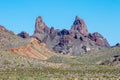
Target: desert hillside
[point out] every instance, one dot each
(51, 54)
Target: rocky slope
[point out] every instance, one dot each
(23, 45)
(75, 41)
(9, 40)
(33, 49)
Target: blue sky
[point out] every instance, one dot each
(101, 16)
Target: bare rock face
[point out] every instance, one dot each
(52, 33)
(40, 26)
(41, 51)
(98, 39)
(24, 35)
(75, 41)
(41, 30)
(63, 32)
(79, 26)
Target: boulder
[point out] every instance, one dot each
(24, 34)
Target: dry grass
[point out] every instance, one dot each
(59, 67)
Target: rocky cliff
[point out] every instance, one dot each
(41, 30)
(75, 41)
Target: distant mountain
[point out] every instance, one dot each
(75, 41)
(33, 57)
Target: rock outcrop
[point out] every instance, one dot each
(113, 61)
(33, 49)
(41, 30)
(117, 45)
(24, 34)
(79, 26)
(99, 39)
(75, 41)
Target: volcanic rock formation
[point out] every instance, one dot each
(24, 34)
(99, 39)
(41, 30)
(79, 26)
(75, 41)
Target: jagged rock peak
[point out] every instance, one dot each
(24, 34)
(79, 26)
(75, 41)
(41, 29)
(39, 18)
(40, 26)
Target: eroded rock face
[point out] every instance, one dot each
(33, 49)
(41, 30)
(75, 41)
(79, 26)
(98, 39)
(40, 26)
(24, 34)
(52, 33)
(63, 32)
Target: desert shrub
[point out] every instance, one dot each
(57, 59)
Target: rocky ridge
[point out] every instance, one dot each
(23, 45)
(75, 41)
(10, 40)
